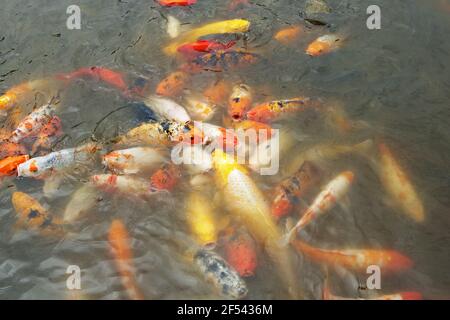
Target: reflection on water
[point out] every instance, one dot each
(394, 82)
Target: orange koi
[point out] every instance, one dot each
(173, 84)
(21, 93)
(119, 241)
(290, 190)
(191, 50)
(240, 101)
(261, 129)
(11, 149)
(176, 3)
(8, 166)
(166, 178)
(274, 110)
(323, 45)
(240, 253)
(356, 259)
(288, 35)
(106, 75)
(218, 92)
(33, 216)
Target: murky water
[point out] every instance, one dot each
(395, 79)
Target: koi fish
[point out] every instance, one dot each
(167, 108)
(325, 201)
(33, 123)
(80, 202)
(33, 216)
(218, 272)
(240, 101)
(20, 94)
(224, 138)
(176, 3)
(48, 135)
(293, 188)
(323, 45)
(408, 295)
(165, 178)
(356, 259)
(223, 60)
(288, 35)
(119, 241)
(199, 109)
(191, 50)
(262, 130)
(173, 84)
(126, 185)
(398, 185)
(243, 198)
(327, 152)
(8, 166)
(134, 160)
(57, 161)
(164, 133)
(271, 111)
(173, 27)
(221, 27)
(240, 253)
(265, 156)
(10, 149)
(218, 92)
(106, 75)
(201, 219)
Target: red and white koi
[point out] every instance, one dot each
(133, 160)
(57, 161)
(33, 123)
(326, 200)
(48, 135)
(126, 185)
(290, 190)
